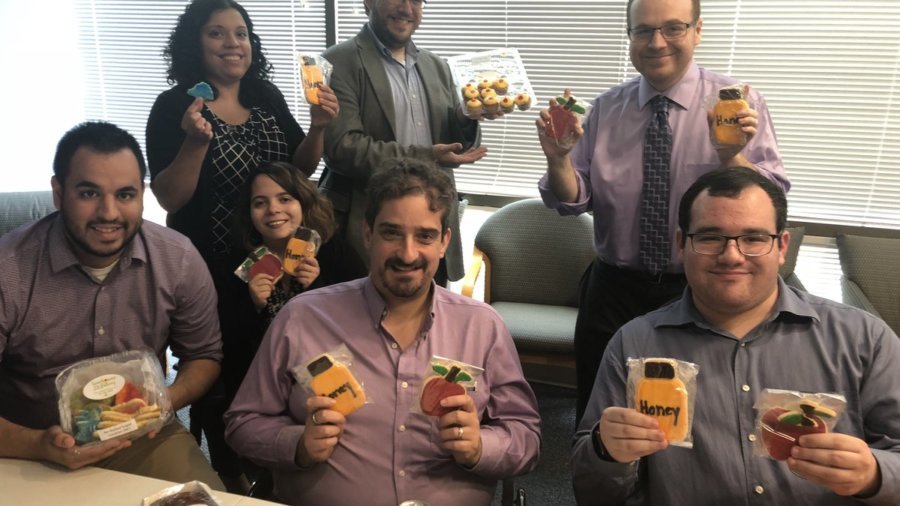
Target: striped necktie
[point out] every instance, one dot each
(655, 248)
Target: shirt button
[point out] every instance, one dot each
(402, 428)
(745, 388)
(402, 473)
(394, 346)
(404, 384)
(101, 330)
(752, 438)
(758, 489)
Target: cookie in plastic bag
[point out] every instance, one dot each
(122, 395)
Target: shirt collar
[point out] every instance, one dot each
(789, 304)
(681, 93)
(411, 50)
(62, 257)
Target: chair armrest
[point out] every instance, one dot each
(854, 296)
(472, 273)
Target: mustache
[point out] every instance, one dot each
(396, 263)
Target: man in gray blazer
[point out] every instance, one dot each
(397, 100)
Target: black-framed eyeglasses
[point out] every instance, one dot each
(750, 245)
(670, 31)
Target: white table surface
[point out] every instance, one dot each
(27, 483)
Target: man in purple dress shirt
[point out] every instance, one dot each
(393, 322)
(601, 170)
(91, 280)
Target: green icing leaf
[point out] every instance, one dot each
(439, 369)
(462, 377)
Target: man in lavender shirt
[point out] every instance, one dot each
(91, 280)
(600, 170)
(393, 322)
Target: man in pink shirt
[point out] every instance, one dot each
(393, 322)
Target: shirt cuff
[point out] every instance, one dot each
(285, 447)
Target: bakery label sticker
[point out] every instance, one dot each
(103, 387)
(117, 430)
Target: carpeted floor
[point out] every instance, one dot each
(551, 482)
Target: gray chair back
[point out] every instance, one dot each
(536, 255)
(790, 258)
(871, 280)
(18, 208)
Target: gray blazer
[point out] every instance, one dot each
(362, 136)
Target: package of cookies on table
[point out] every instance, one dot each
(119, 396)
(192, 493)
(783, 416)
(445, 378)
(330, 374)
(665, 388)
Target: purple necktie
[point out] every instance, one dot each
(655, 249)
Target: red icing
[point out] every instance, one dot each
(436, 389)
(562, 122)
(778, 445)
(127, 393)
(268, 264)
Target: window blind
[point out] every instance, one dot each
(829, 69)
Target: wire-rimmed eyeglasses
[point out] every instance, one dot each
(669, 31)
(750, 245)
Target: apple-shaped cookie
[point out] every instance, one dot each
(267, 264)
(781, 428)
(437, 388)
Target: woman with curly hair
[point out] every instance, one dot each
(200, 152)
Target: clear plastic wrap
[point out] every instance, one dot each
(782, 416)
(446, 378)
(330, 375)
(723, 108)
(314, 71)
(259, 261)
(119, 396)
(565, 114)
(304, 244)
(491, 81)
(192, 493)
(665, 388)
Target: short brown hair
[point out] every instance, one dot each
(400, 177)
(695, 7)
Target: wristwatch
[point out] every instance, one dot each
(599, 448)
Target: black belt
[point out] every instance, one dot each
(642, 276)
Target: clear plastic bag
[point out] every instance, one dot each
(330, 375)
(722, 109)
(446, 378)
(314, 71)
(119, 396)
(259, 261)
(305, 243)
(782, 416)
(665, 388)
(192, 493)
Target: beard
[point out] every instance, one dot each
(410, 287)
(80, 244)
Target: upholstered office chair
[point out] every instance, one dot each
(871, 280)
(533, 262)
(18, 208)
(790, 258)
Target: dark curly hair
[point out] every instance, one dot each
(396, 178)
(318, 213)
(184, 53)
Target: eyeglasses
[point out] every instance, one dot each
(750, 245)
(415, 3)
(671, 31)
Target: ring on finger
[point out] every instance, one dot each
(459, 433)
(315, 421)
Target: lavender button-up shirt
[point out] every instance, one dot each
(388, 453)
(608, 158)
(53, 313)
